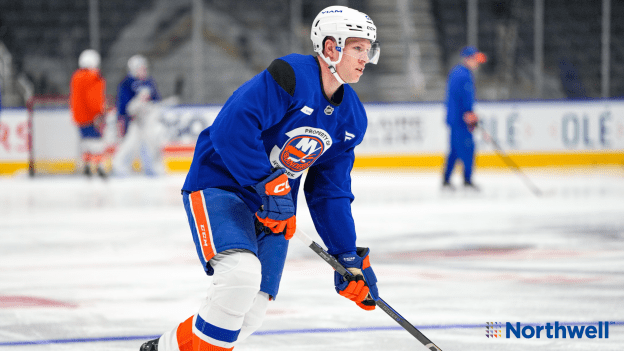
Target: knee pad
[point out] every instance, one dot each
(235, 285)
(255, 316)
(236, 281)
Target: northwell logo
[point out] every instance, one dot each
(550, 331)
(493, 329)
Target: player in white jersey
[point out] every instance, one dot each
(138, 109)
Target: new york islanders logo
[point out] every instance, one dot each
(300, 152)
(304, 146)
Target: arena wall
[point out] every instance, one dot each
(400, 135)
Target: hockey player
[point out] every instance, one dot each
(460, 97)
(241, 190)
(137, 112)
(87, 98)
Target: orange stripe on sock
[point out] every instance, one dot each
(201, 345)
(184, 335)
(201, 224)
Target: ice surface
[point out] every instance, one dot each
(105, 265)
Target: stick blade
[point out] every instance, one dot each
(433, 347)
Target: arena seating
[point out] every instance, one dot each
(572, 38)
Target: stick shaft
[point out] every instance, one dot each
(333, 262)
(510, 162)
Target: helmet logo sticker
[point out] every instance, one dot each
(332, 11)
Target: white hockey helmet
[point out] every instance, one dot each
(341, 22)
(137, 66)
(89, 59)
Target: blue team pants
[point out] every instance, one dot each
(220, 221)
(462, 147)
(89, 131)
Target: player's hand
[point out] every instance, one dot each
(278, 210)
(360, 288)
(471, 120)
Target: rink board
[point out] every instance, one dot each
(399, 135)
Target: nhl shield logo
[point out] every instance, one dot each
(329, 110)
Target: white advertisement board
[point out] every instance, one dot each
(393, 129)
(13, 135)
(554, 126)
(517, 127)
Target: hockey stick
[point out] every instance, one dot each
(380, 303)
(499, 151)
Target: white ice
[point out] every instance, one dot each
(87, 263)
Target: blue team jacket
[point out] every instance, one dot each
(460, 97)
(281, 118)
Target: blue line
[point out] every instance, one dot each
(285, 332)
(71, 341)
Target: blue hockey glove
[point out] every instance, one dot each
(362, 286)
(278, 210)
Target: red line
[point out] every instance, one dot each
(29, 301)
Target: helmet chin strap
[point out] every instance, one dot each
(332, 66)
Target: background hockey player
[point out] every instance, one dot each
(137, 114)
(460, 117)
(241, 191)
(87, 98)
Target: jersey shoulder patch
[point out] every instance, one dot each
(284, 75)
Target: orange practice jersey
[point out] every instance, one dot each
(87, 93)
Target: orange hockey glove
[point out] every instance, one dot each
(278, 210)
(361, 287)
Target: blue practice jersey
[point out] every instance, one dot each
(127, 89)
(460, 96)
(281, 118)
